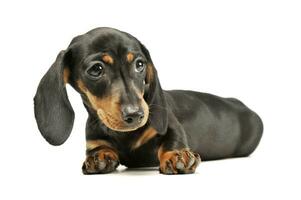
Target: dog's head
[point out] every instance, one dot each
(116, 78)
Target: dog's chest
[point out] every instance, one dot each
(142, 156)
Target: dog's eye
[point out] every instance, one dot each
(140, 65)
(96, 70)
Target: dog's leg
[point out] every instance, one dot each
(174, 154)
(101, 157)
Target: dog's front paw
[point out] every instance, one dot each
(179, 162)
(101, 162)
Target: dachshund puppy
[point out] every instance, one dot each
(132, 121)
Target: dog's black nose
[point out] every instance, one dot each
(132, 114)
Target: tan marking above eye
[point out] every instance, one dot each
(130, 57)
(107, 59)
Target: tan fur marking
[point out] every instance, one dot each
(92, 162)
(92, 144)
(107, 59)
(149, 73)
(81, 86)
(107, 153)
(169, 160)
(66, 74)
(130, 57)
(96, 102)
(148, 134)
(171, 156)
(108, 108)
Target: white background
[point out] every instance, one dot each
(245, 49)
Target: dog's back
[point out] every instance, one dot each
(216, 127)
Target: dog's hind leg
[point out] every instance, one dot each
(251, 133)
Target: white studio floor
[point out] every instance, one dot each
(257, 176)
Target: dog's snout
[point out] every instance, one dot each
(132, 114)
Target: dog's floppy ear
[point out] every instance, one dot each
(53, 111)
(154, 96)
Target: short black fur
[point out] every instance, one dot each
(212, 126)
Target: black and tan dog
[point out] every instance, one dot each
(132, 121)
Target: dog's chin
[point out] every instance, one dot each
(123, 128)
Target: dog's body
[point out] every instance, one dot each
(132, 121)
(214, 127)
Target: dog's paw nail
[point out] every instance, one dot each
(168, 171)
(183, 162)
(197, 158)
(114, 163)
(180, 165)
(190, 162)
(169, 167)
(101, 164)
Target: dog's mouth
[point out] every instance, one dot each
(116, 117)
(109, 111)
(116, 123)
